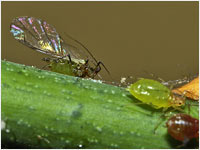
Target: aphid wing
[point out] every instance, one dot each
(22, 32)
(37, 34)
(54, 38)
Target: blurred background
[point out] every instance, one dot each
(130, 38)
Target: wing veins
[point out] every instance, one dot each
(28, 31)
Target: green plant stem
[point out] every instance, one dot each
(43, 109)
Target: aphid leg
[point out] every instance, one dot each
(86, 61)
(60, 58)
(86, 66)
(156, 127)
(98, 64)
(163, 116)
(189, 109)
(159, 123)
(47, 59)
(179, 109)
(98, 68)
(45, 66)
(70, 60)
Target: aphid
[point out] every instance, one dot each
(154, 93)
(43, 37)
(183, 127)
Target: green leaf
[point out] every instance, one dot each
(42, 109)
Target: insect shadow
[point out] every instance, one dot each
(149, 108)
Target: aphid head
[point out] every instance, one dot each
(178, 100)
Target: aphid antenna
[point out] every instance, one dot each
(97, 62)
(154, 76)
(186, 76)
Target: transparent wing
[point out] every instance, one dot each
(43, 37)
(37, 34)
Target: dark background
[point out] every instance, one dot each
(128, 37)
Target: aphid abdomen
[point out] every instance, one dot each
(62, 67)
(183, 127)
(151, 92)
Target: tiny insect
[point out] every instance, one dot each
(183, 127)
(154, 93)
(65, 58)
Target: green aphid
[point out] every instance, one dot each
(154, 93)
(73, 67)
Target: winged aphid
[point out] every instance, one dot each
(65, 58)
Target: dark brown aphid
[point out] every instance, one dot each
(183, 127)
